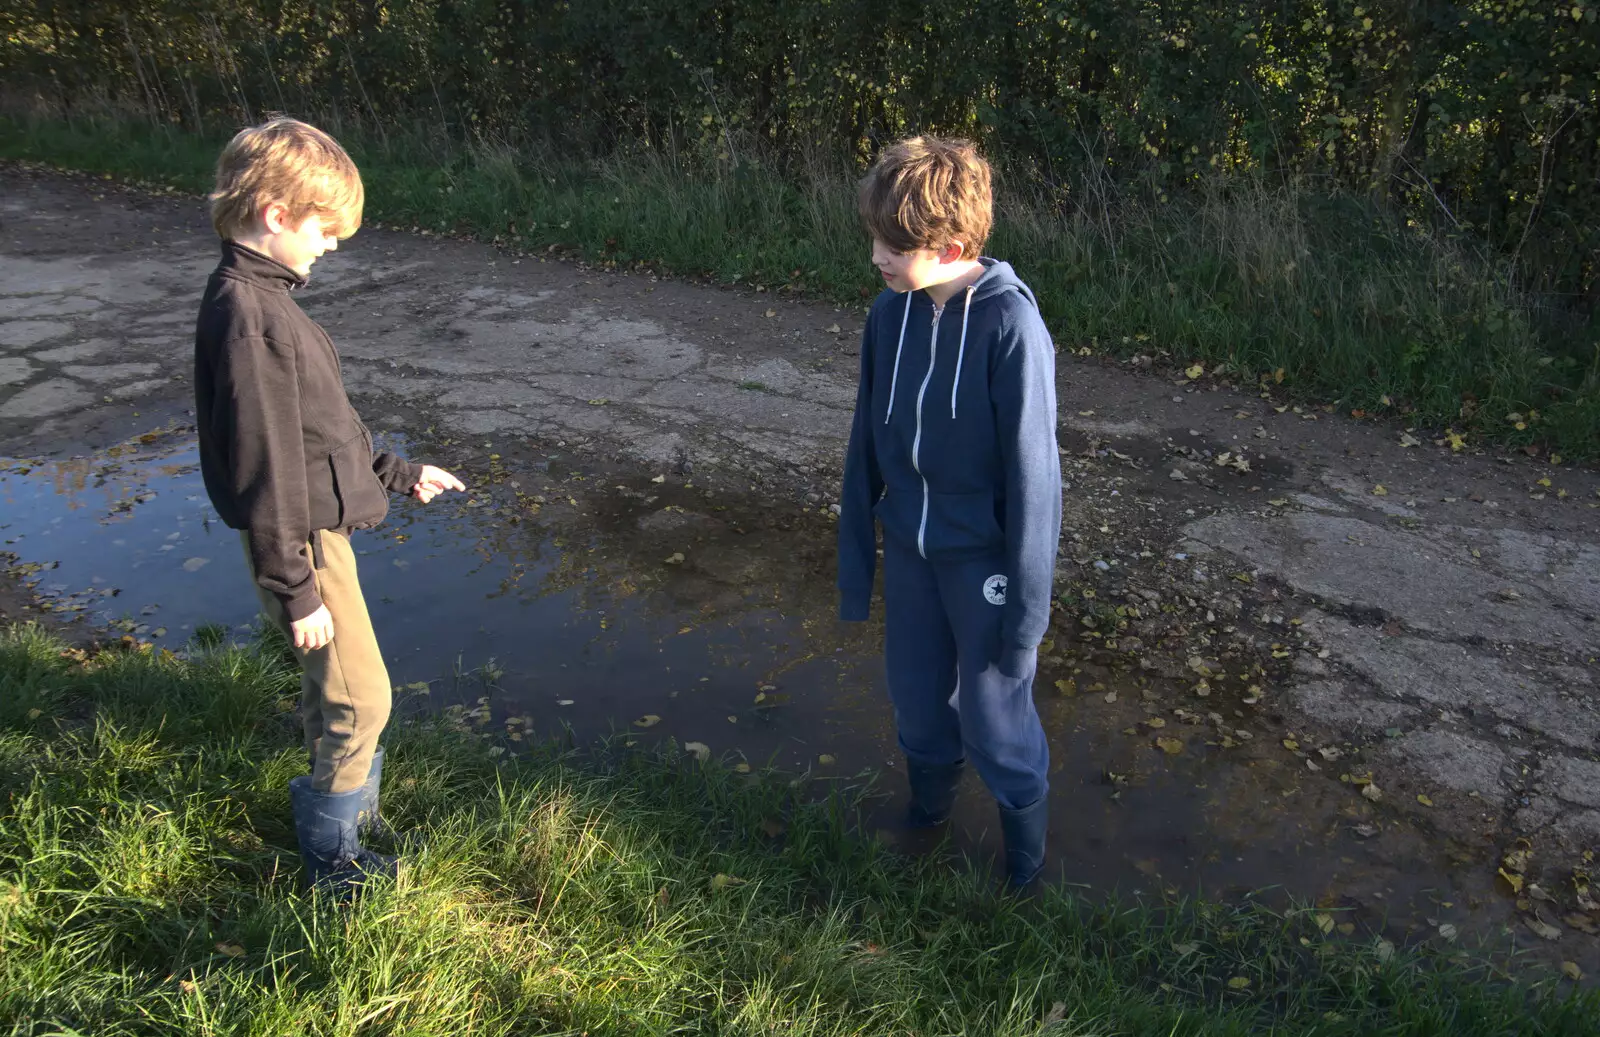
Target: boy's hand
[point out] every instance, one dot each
(315, 631)
(435, 481)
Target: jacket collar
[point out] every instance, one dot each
(248, 265)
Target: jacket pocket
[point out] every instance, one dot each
(346, 468)
(962, 524)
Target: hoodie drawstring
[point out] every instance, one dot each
(966, 312)
(899, 347)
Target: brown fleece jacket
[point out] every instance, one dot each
(282, 451)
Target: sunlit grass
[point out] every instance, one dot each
(148, 885)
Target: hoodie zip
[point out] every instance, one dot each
(916, 442)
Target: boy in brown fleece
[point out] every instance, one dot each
(288, 463)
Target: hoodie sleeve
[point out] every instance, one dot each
(863, 485)
(258, 404)
(1023, 391)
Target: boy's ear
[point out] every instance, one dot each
(952, 252)
(275, 217)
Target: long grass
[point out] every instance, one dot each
(148, 885)
(1320, 296)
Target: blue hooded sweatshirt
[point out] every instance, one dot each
(953, 447)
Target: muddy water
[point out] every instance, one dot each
(579, 604)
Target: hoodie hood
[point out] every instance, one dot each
(998, 278)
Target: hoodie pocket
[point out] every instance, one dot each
(962, 524)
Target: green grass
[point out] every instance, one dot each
(1249, 280)
(148, 885)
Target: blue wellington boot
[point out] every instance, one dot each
(326, 825)
(1024, 831)
(933, 793)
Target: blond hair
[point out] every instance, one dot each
(287, 161)
(926, 192)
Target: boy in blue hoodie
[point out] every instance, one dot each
(953, 451)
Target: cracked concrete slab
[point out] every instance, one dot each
(137, 390)
(14, 370)
(76, 351)
(1344, 708)
(1572, 780)
(43, 399)
(20, 306)
(107, 373)
(1429, 578)
(1451, 677)
(21, 334)
(1450, 759)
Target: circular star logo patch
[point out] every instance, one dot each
(994, 590)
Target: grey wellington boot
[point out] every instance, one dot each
(933, 793)
(327, 826)
(1024, 832)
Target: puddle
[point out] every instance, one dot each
(550, 592)
(549, 623)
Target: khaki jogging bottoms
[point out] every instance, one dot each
(345, 695)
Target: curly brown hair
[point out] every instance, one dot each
(926, 192)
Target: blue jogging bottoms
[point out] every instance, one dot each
(942, 640)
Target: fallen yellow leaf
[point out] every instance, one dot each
(1379, 491)
(1195, 372)
(648, 720)
(1424, 800)
(1170, 746)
